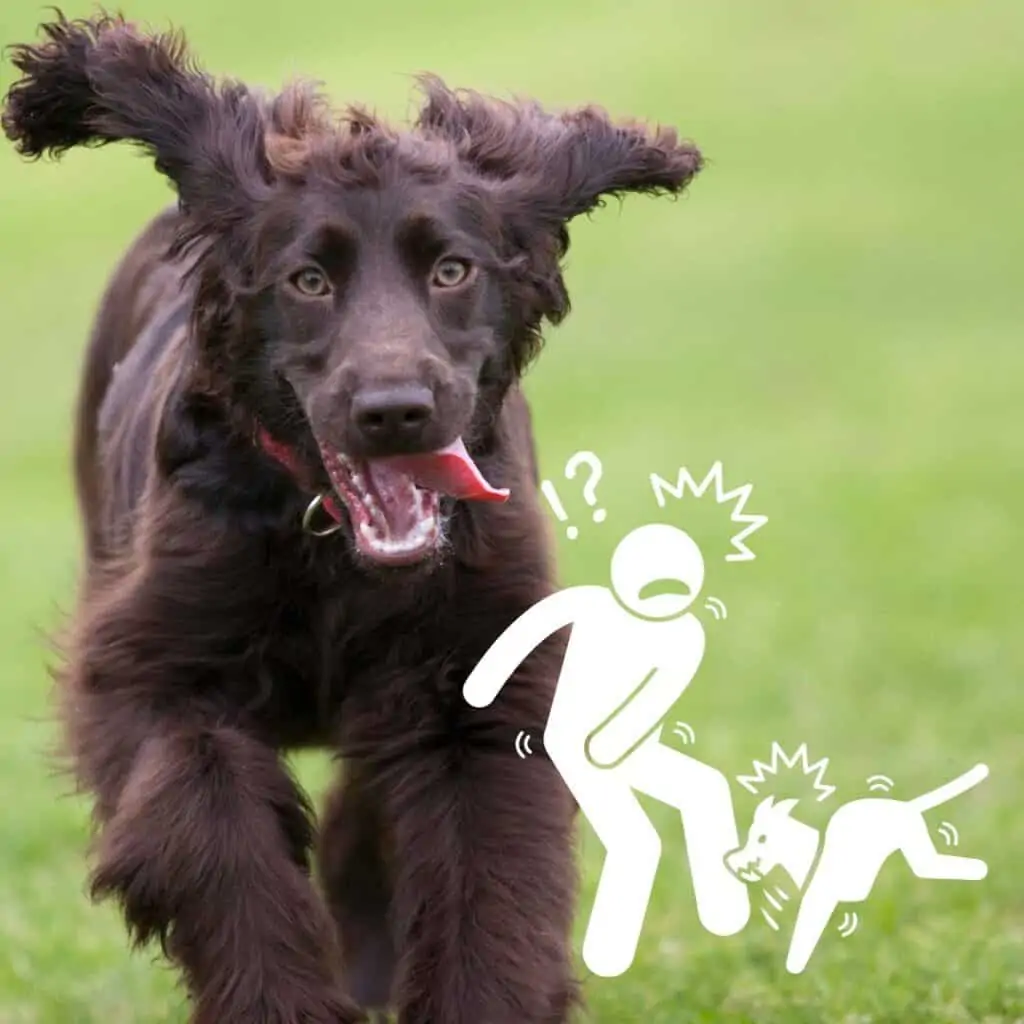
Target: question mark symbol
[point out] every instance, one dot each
(589, 490)
(590, 487)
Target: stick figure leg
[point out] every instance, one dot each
(702, 796)
(633, 850)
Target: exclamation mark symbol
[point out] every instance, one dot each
(547, 488)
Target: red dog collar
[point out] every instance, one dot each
(286, 457)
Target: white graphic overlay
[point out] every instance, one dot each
(633, 651)
(842, 866)
(738, 495)
(589, 490)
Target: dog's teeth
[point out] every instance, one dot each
(370, 533)
(374, 529)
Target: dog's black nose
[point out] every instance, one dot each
(396, 415)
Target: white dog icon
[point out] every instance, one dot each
(859, 838)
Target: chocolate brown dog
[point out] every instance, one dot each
(307, 480)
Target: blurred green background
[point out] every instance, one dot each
(834, 311)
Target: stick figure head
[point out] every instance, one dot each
(657, 571)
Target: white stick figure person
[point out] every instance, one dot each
(632, 652)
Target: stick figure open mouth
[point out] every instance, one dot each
(666, 585)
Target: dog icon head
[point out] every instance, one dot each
(770, 841)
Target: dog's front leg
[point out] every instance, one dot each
(207, 848)
(203, 836)
(484, 886)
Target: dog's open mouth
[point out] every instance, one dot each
(394, 503)
(749, 872)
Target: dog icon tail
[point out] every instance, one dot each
(958, 785)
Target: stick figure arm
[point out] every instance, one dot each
(646, 708)
(511, 648)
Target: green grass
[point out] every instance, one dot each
(834, 311)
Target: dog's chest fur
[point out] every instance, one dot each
(329, 649)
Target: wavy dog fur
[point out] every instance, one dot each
(212, 634)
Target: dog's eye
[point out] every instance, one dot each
(450, 273)
(312, 282)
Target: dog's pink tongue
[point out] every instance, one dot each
(449, 470)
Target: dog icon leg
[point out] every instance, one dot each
(816, 909)
(926, 861)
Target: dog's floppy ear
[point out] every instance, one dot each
(581, 157)
(557, 166)
(91, 82)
